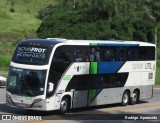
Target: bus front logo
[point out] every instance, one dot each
(78, 68)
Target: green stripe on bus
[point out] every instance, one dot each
(91, 95)
(67, 77)
(93, 44)
(93, 67)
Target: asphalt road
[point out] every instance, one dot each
(2, 95)
(112, 113)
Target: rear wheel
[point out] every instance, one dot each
(64, 105)
(134, 98)
(125, 98)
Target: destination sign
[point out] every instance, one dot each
(31, 55)
(31, 49)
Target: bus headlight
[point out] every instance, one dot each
(37, 100)
(9, 100)
(35, 103)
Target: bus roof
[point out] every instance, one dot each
(70, 41)
(39, 42)
(53, 41)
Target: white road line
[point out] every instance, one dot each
(2, 102)
(157, 88)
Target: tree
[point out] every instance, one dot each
(12, 2)
(155, 15)
(98, 19)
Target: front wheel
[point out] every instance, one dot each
(125, 98)
(64, 106)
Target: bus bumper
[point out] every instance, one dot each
(37, 104)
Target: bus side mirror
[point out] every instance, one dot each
(50, 86)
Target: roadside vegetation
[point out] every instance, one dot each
(18, 21)
(158, 73)
(18, 18)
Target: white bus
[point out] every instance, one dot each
(61, 74)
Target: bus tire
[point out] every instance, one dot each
(64, 105)
(134, 99)
(125, 98)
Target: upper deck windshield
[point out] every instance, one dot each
(33, 52)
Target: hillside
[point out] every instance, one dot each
(18, 18)
(18, 21)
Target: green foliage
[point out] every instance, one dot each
(4, 68)
(20, 22)
(12, 10)
(6, 51)
(97, 19)
(12, 2)
(47, 11)
(5, 60)
(158, 72)
(158, 63)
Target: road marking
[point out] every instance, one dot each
(2, 102)
(34, 121)
(156, 88)
(132, 108)
(109, 111)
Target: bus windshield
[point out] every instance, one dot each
(26, 82)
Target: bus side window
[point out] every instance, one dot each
(129, 54)
(78, 55)
(109, 54)
(150, 53)
(122, 54)
(135, 51)
(97, 54)
(92, 52)
(81, 54)
(142, 53)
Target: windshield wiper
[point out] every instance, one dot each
(26, 86)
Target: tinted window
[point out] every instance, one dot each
(133, 54)
(109, 54)
(71, 54)
(127, 53)
(104, 53)
(86, 82)
(147, 53)
(96, 54)
(26, 82)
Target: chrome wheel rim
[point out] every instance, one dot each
(134, 97)
(125, 98)
(63, 105)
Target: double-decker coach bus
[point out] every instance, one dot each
(61, 74)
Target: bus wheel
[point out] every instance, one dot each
(64, 105)
(125, 98)
(134, 98)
